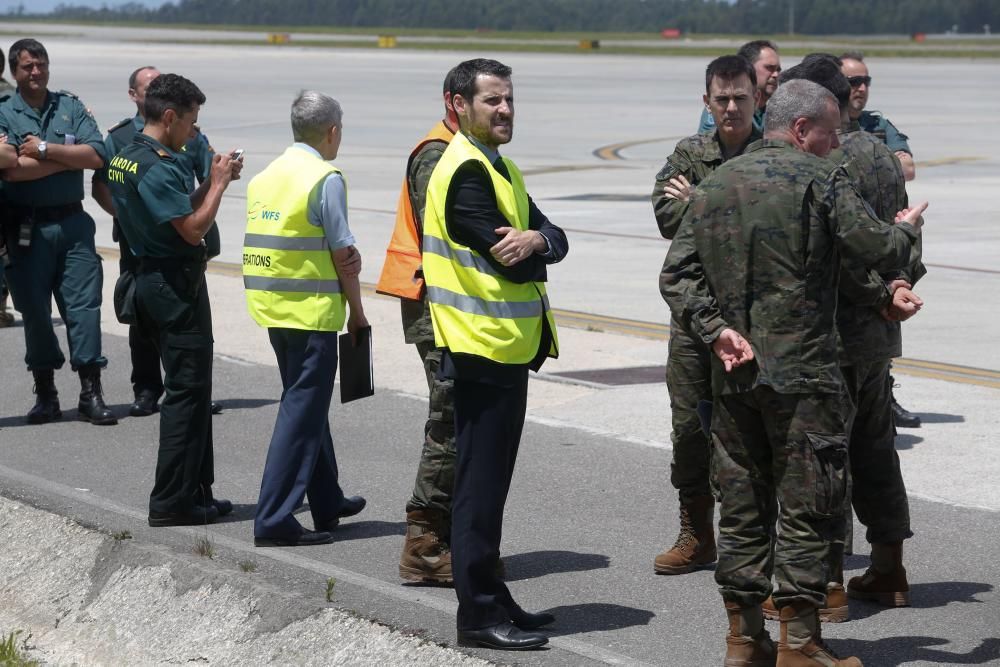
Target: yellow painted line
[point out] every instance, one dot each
(559, 169)
(944, 161)
(613, 151)
(573, 319)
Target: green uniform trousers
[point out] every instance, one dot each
(878, 493)
(689, 380)
(61, 262)
(778, 457)
(435, 484)
(174, 311)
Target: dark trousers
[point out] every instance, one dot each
(174, 310)
(300, 459)
(488, 424)
(61, 262)
(145, 358)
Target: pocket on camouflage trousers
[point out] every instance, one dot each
(829, 465)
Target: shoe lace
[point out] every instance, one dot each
(686, 535)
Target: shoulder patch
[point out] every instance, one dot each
(669, 170)
(120, 124)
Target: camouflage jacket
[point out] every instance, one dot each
(694, 158)
(760, 251)
(876, 174)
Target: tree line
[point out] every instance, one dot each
(815, 17)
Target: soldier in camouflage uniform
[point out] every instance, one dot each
(426, 555)
(759, 254)
(869, 311)
(731, 94)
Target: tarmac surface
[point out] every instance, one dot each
(591, 503)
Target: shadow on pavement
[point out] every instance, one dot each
(539, 563)
(928, 596)
(243, 403)
(359, 530)
(241, 512)
(895, 651)
(596, 617)
(940, 418)
(906, 441)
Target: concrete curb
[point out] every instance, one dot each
(87, 597)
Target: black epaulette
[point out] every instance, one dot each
(120, 124)
(67, 94)
(4, 97)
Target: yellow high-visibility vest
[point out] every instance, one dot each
(288, 270)
(474, 309)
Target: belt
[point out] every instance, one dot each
(47, 213)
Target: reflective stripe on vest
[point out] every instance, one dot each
(288, 271)
(400, 270)
(474, 309)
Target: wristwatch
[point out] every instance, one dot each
(43, 149)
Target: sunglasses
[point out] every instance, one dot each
(856, 81)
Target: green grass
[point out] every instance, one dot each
(203, 547)
(12, 651)
(330, 583)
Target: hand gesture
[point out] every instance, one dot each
(905, 304)
(733, 349)
(678, 188)
(912, 215)
(237, 167)
(516, 246)
(222, 170)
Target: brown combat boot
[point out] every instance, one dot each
(801, 644)
(695, 545)
(426, 557)
(835, 611)
(885, 581)
(748, 644)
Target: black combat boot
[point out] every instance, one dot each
(46, 408)
(92, 408)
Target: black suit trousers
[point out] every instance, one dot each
(488, 423)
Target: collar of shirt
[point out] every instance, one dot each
(21, 105)
(490, 154)
(152, 143)
(307, 148)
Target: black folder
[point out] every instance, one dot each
(357, 378)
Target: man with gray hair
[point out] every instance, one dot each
(300, 271)
(753, 272)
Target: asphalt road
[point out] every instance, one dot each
(591, 503)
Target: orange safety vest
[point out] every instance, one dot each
(403, 256)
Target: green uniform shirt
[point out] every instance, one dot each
(760, 250)
(875, 123)
(149, 186)
(63, 120)
(694, 158)
(706, 124)
(195, 156)
(6, 89)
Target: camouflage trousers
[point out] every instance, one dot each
(778, 458)
(435, 483)
(689, 380)
(877, 489)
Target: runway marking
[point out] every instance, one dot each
(613, 151)
(558, 169)
(945, 161)
(390, 590)
(982, 377)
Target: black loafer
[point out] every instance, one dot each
(144, 405)
(223, 506)
(306, 538)
(528, 621)
(216, 408)
(351, 506)
(196, 516)
(503, 636)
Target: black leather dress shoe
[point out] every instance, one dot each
(196, 516)
(216, 408)
(529, 621)
(306, 538)
(504, 636)
(351, 506)
(144, 404)
(902, 417)
(223, 506)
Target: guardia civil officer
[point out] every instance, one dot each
(196, 157)
(6, 90)
(485, 252)
(300, 271)
(54, 256)
(165, 226)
